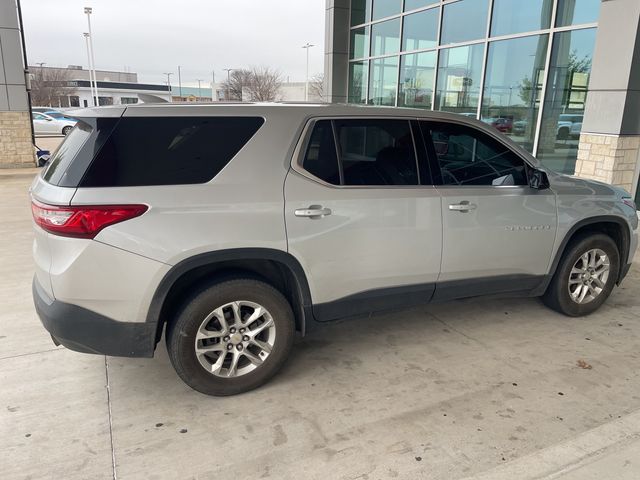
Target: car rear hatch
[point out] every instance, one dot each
(57, 183)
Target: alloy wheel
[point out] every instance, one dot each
(589, 276)
(235, 339)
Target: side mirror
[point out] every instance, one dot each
(538, 180)
(49, 119)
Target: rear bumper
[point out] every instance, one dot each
(85, 331)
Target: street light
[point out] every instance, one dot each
(86, 38)
(228, 70)
(168, 74)
(199, 91)
(213, 85)
(179, 83)
(306, 83)
(42, 77)
(92, 62)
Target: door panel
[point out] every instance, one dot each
(494, 223)
(374, 238)
(506, 231)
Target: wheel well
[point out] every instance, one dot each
(272, 272)
(612, 229)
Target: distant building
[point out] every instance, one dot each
(288, 92)
(114, 88)
(191, 94)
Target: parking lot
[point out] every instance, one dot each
(483, 389)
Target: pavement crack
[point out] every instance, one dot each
(32, 353)
(113, 451)
(454, 329)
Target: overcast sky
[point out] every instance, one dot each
(153, 37)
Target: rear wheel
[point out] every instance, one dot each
(585, 276)
(231, 337)
(66, 130)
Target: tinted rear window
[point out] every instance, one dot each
(172, 150)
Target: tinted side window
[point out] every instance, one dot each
(376, 152)
(321, 159)
(168, 151)
(66, 152)
(467, 156)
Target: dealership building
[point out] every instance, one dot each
(560, 77)
(114, 88)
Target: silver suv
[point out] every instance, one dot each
(231, 227)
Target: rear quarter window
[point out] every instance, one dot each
(144, 151)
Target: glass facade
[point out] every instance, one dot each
(512, 87)
(522, 66)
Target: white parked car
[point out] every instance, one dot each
(44, 124)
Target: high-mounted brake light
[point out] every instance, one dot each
(84, 221)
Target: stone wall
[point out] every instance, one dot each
(16, 149)
(609, 158)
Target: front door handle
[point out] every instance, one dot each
(313, 211)
(463, 206)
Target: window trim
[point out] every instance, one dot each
(303, 143)
(434, 164)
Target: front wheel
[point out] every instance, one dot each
(66, 130)
(585, 276)
(563, 134)
(231, 336)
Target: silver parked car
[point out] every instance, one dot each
(228, 228)
(44, 124)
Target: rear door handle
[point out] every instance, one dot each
(463, 206)
(313, 211)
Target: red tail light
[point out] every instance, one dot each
(84, 221)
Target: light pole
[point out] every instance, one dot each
(86, 38)
(92, 65)
(168, 74)
(199, 91)
(213, 86)
(179, 83)
(306, 82)
(228, 70)
(41, 77)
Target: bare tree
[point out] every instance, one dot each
(50, 87)
(316, 86)
(237, 82)
(264, 85)
(259, 84)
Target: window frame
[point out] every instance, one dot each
(434, 164)
(423, 167)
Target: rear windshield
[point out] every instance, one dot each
(143, 151)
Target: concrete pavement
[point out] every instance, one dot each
(476, 389)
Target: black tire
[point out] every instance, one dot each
(557, 296)
(66, 130)
(563, 133)
(181, 334)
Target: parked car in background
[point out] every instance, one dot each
(569, 126)
(519, 127)
(226, 228)
(504, 125)
(58, 115)
(44, 124)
